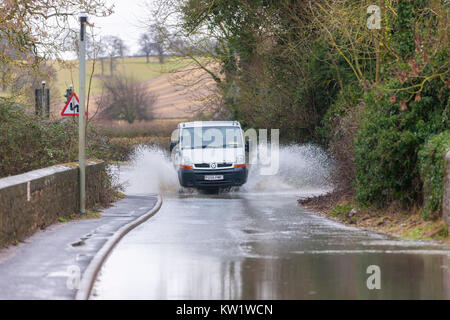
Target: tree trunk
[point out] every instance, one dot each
(4, 80)
(147, 56)
(111, 66)
(378, 60)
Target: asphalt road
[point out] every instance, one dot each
(49, 264)
(264, 246)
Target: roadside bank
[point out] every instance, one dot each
(393, 221)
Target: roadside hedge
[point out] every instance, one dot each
(28, 142)
(432, 169)
(392, 130)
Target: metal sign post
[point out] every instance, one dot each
(43, 99)
(38, 101)
(82, 116)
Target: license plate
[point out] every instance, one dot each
(213, 178)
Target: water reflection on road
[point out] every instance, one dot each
(256, 246)
(257, 243)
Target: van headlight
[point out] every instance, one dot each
(186, 161)
(240, 159)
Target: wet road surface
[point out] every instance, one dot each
(48, 264)
(264, 246)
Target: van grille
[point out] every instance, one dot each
(202, 165)
(224, 165)
(207, 165)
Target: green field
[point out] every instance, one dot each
(137, 68)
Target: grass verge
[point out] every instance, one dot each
(394, 221)
(94, 213)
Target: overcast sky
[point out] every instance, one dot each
(124, 22)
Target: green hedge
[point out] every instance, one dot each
(28, 143)
(387, 144)
(347, 99)
(432, 169)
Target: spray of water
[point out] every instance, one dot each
(150, 171)
(302, 168)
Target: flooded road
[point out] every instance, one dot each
(259, 244)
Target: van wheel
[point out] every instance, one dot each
(210, 191)
(186, 190)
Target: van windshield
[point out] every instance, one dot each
(211, 137)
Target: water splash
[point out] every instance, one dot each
(150, 171)
(302, 168)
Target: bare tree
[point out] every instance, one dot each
(38, 29)
(24, 82)
(125, 99)
(101, 55)
(93, 46)
(114, 47)
(158, 35)
(146, 45)
(199, 44)
(121, 47)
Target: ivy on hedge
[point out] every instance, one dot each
(387, 144)
(432, 169)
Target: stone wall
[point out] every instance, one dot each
(446, 195)
(36, 199)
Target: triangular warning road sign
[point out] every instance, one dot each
(72, 107)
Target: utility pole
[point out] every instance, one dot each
(82, 114)
(374, 23)
(380, 38)
(47, 102)
(42, 101)
(377, 44)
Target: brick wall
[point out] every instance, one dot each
(36, 199)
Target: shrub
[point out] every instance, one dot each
(432, 168)
(125, 99)
(28, 143)
(122, 149)
(338, 130)
(391, 133)
(342, 209)
(121, 129)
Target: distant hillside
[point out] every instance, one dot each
(67, 73)
(176, 83)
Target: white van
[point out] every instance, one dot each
(210, 154)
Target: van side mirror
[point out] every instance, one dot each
(247, 146)
(172, 145)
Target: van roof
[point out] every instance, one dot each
(209, 124)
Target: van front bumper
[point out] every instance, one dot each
(196, 178)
